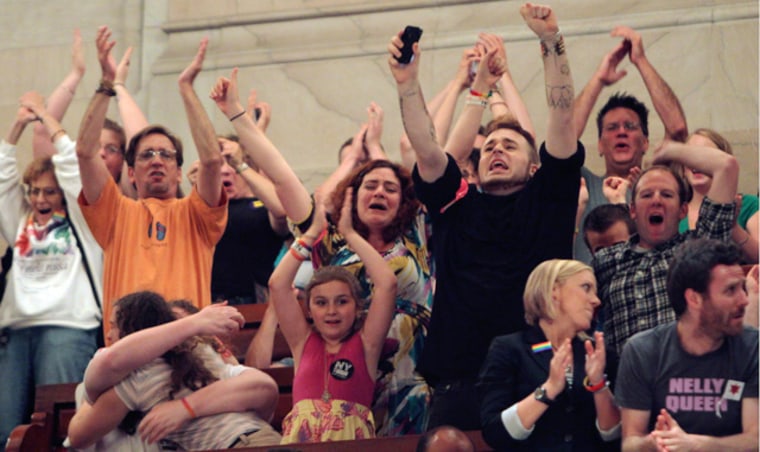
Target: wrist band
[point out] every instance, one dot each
(234, 117)
(106, 87)
(300, 250)
(242, 167)
(119, 84)
(188, 408)
(55, 134)
(479, 101)
(481, 95)
(603, 384)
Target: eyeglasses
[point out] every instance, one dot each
(46, 192)
(112, 149)
(627, 125)
(149, 154)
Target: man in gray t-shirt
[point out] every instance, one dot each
(693, 384)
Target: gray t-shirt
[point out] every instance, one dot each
(703, 393)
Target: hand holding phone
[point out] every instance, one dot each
(411, 35)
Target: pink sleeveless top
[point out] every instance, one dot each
(342, 375)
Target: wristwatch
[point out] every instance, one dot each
(541, 396)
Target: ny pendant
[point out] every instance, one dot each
(326, 396)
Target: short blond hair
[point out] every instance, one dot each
(537, 298)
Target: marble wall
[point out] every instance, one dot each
(319, 63)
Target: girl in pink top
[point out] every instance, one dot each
(336, 358)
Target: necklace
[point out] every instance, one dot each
(326, 392)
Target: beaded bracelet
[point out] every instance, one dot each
(481, 95)
(300, 250)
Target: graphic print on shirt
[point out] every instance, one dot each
(702, 394)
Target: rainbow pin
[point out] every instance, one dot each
(541, 347)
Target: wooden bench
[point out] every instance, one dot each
(54, 406)
(240, 340)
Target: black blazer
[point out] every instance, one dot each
(512, 371)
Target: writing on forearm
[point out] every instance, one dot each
(560, 97)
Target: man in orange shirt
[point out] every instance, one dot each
(157, 242)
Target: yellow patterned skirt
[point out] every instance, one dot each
(314, 421)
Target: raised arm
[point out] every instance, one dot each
(259, 353)
(723, 167)
(59, 100)
(383, 279)
(513, 102)
(561, 141)
(92, 167)
(375, 116)
(131, 115)
(282, 295)
(35, 103)
(260, 185)
(209, 183)
(606, 74)
(490, 69)
(110, 365)
(444, 114)
(351, 156)
(293, 195)
(431, 160)
(663, 98)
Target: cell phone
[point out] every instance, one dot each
(256, 114)
(473, 68)
(411, 35)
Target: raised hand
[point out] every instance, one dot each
(615, 189)
(374, 124)
(77, 54)
(595, 358)
(464, 77)
(187, 77)
(562, 358)
(265, 110)
(403, 72)
(607, 72)
(346, 222)
(541, 19)
(232, 152)
(122, 70)
(629, 35)
(33, 102)
(225, 94)
(493, 61)
(319, 222)
(163, 419)
(105, 58)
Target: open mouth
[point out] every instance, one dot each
(656, 219)
(45, 211)
(498, 164)
(378, 206)
(227, 184)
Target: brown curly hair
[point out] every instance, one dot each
(140, 310)
(407, 209)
